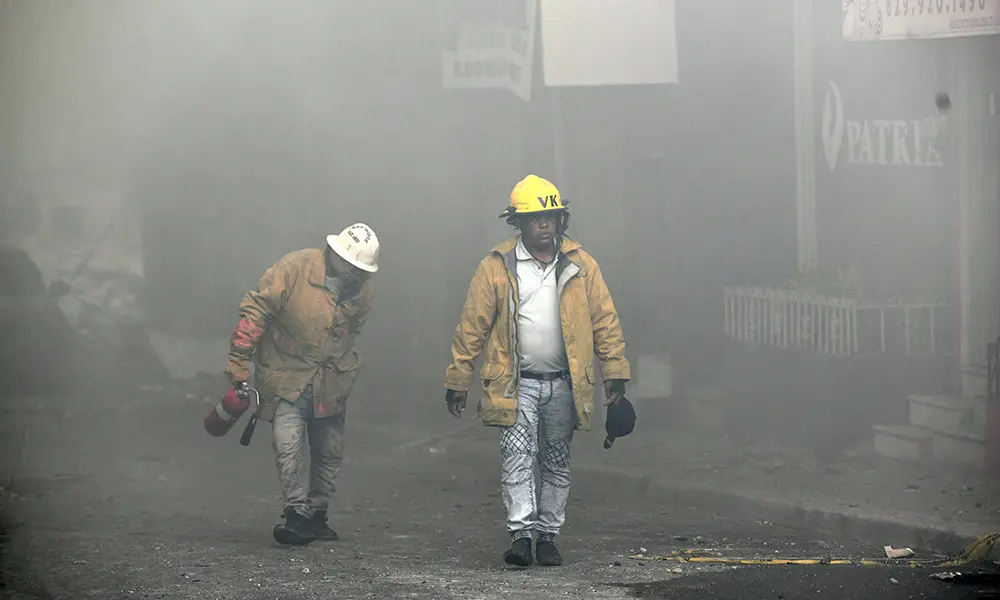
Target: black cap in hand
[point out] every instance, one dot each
(620, 421)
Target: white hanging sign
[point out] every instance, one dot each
(491, 45)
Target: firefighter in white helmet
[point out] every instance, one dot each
(300, 327)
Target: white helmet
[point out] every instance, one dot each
(357, 245)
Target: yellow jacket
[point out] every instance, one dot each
(296, 333)
(589, 323)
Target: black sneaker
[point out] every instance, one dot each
(295, 531)
(320, 529)
(519, 553)
(548, 554)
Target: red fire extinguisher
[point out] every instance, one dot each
(230, 408)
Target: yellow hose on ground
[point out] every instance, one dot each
(981, 551)
(858, 562)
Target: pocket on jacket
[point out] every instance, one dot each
(349, 361)
(342, 376)
(491, 371)
(591, 378)
(345, 382)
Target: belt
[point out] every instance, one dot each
(545, 376)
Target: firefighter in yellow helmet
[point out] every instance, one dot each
(539, 311)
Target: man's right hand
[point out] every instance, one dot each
(456, 402)
(242, 389)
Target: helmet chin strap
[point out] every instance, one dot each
(563, 224)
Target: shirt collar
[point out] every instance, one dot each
(521, 252)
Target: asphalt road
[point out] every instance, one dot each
(127, 497)
(813, 582)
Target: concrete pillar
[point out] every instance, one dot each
(971, 125)
(957, 131)
(805, 134)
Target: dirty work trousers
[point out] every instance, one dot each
(294, 427)
(544, 427)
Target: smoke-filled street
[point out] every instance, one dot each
(188, 516)
(491, 299)
(133, 500)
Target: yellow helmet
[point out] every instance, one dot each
(533, 195)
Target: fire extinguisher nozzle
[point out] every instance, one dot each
(248, 432)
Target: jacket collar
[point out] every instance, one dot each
(566, 246)
(317, 269)
(317, 276)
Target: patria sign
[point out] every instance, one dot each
(876, 141)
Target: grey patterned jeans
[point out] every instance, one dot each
(546, 417)
(293, 427)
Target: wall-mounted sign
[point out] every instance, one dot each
(877, 140)
(919, 19)
(609, 42)
(491, 45)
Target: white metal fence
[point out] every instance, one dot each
(786, 318)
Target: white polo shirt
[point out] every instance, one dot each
(539, 327)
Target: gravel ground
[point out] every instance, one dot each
(129, 498)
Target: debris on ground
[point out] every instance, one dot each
(35, 331)
(982, 551)
(104, 310)
(891, 552)
(989, 577)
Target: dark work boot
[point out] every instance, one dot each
(547, 554)
(295, 531)
(320, 529)
(519, 553)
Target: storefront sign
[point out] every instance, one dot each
(877, 140)
(919, 19)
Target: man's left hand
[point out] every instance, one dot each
(614, 390)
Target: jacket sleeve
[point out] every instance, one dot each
(474, 327)
(609, 343)
(257, 310)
